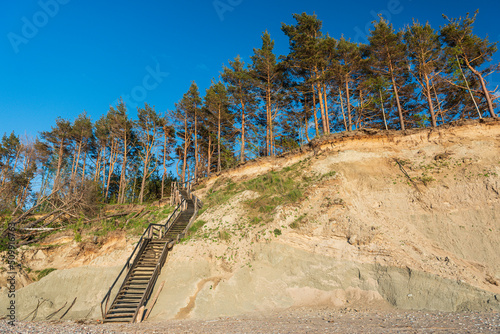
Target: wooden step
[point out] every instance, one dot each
(148, 261)
(125, 306)
(120, 315)
(127, 294)
(142, 274)
(117, 311)
(147, 264)
(135, 285)
(128, 300)
(151, 258)
(135, 289)
(117, 320)
(139, 278)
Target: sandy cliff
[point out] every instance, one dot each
(388, 219)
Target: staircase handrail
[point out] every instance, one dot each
(128, 264)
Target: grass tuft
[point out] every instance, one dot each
(44, 272)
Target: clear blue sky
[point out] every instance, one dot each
(83, 55)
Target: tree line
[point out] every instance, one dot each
(415, 77)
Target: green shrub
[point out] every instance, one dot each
(4, 244)
(274, 189)
(328, 175)
(44, 272)
(224, 235)
(255, 220)
(296, 223)
(197, 225)
(294, 195)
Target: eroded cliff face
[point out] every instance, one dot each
(394, 220)
(408, 220)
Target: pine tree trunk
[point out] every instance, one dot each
(121, 190)
(242, 159)
(315, 111)
(269, 120)
(396, 94)
(196, 145)
(438, 102)
(342, 109)
(327, 116)
(144, 176)
(76, 161)
(164, 161)
(322, 107)
(218, 141)
(98, 165)
(306, 109)
(383, 110)
(209, 156)
(59, 164)
(429, 101)
(185, 150)
(104, 168)
(348, 102)
(112, 161)
(73, 167)
(84, 165)
(358, 122)
(484, 88)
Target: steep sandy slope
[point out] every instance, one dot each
(379, 220)
(420, 233)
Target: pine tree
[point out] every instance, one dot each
(148, 127)
(113, 142)
(57, 141)
(102, 139)
(9, 155)
(185, 117)
(425, 54)
(17, 170)
(217, 103)
(470, 51)
(268, 77)
(388, 58)
(347, 68)
(121, 128)
(242, 99)
(168, 133)
(307, 59)
(80, 136)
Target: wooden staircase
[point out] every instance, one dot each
(150, 255)
(133, 291)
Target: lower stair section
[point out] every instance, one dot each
(134, 290)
